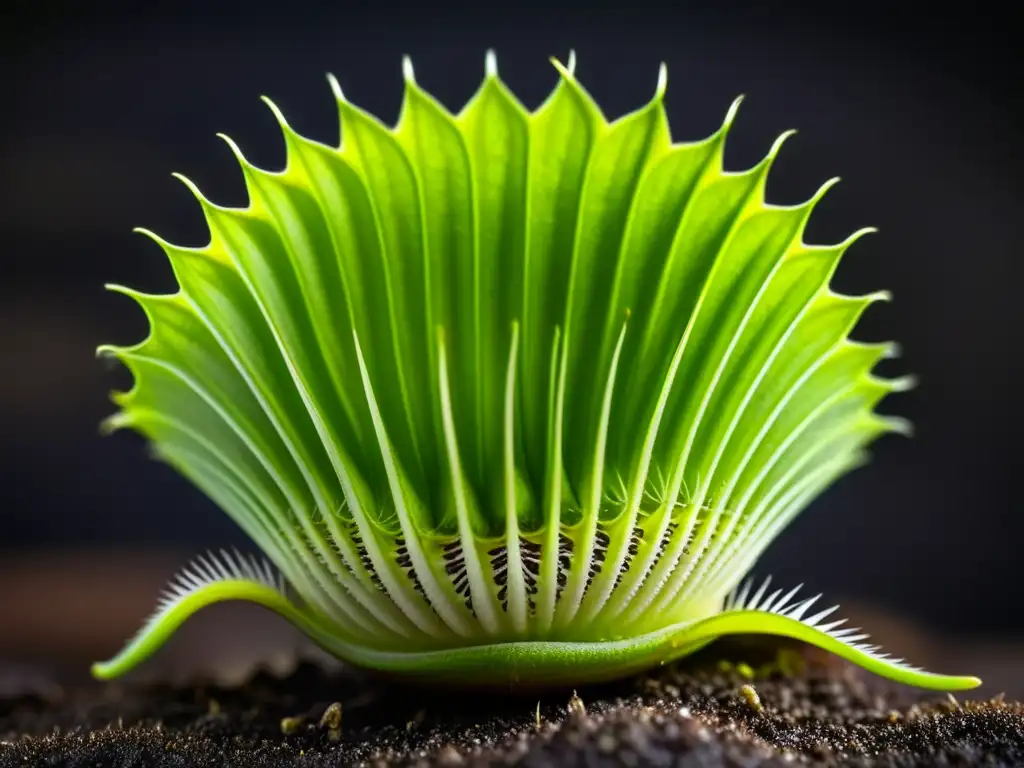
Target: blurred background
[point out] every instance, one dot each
(919, 116)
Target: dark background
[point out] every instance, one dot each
(918, 114)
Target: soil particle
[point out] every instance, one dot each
(694, 714)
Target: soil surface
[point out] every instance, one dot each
(743, 703)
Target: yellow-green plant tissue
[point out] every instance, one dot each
(508, 396)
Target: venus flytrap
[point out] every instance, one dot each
(507, 396)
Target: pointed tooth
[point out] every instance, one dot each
(741, 596)
(250, 572)
(229, 564)
(203, 569)
(832, 625)
(222, 570)
(801, 609)
(816, 618)
(769, 603)
(755, 601)
(783, 604)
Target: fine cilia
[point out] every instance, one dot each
(508, 396)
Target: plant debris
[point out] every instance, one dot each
(576, 707)
(749, 694)
(331, 720)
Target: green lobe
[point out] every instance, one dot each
(524, 388)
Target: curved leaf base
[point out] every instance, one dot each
(526, 663)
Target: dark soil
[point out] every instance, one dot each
(801, 708)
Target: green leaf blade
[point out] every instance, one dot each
(562, 136)
(505, 394)
(395, 199)
(495, 127)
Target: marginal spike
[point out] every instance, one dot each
(730, 115)
(902, 383)
(832, 625)
(857, 235)
(152, 236)
(816, 618)
(741, 597)
(564, 71)
(770, 600)
(823, 190)
(755, 601)
(781, 139)
(798, 612)
(235, 150)
(407, 70)
(898, 425)
(278, 115)
(204, 201)
(782, 606)
(336, 88)
(659, 91)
